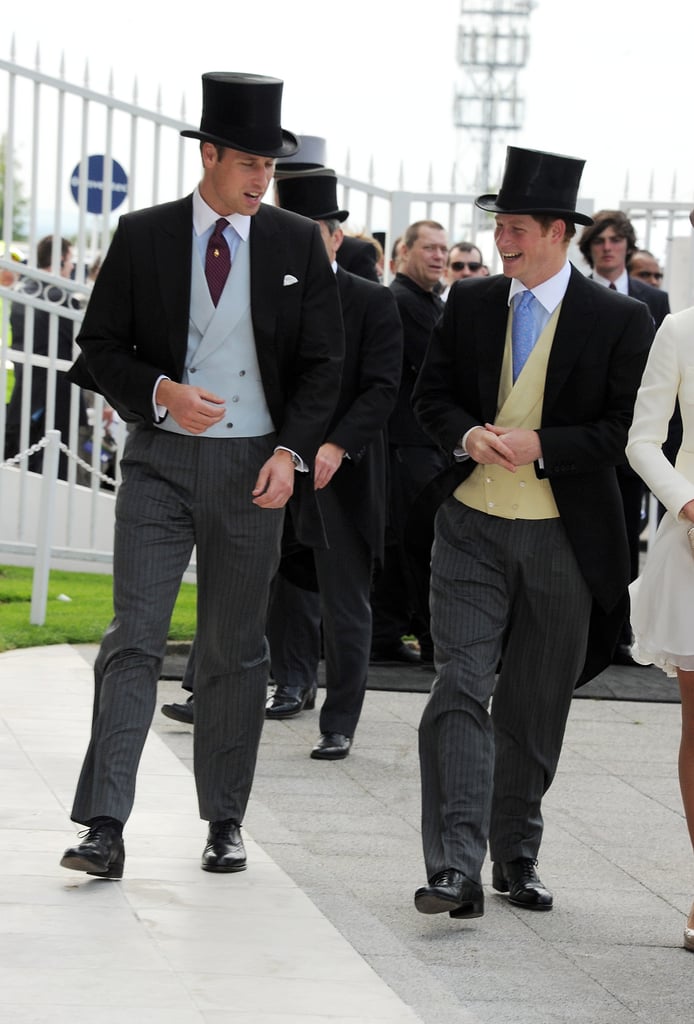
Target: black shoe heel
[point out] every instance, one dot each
(473, 908)
(116, 868)
(311, 698)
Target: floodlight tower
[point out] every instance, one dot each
(493, 47)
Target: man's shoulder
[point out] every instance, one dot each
(271, 217)
(161, 213)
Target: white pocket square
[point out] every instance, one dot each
(290, 279)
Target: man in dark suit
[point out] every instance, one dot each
(355, 254)
(350, 479)
(607, 245)
(530, 560)
(400, 598)
(230, 378)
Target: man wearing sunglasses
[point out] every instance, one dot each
(464, 260)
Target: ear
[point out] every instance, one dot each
(208, 152)
(338, 238)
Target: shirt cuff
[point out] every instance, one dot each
(299, 463)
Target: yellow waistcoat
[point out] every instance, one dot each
(496, 491)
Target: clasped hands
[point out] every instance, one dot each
(508, 447)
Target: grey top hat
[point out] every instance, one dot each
(313, 195)
(243, 112)
(538, 182)
(310, 155)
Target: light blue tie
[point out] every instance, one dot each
(523, 330)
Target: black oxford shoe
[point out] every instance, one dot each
(332, 746)
(224, 850)
(453, 892)
(101, 851)
(522, 883)
(180, 712)
(288, 701)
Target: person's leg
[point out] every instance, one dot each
(686, 772)
(469, 609)
(238, 552)
(344, 578)
(686, 753)
(152, 547)
(294, 635)
(543, 654)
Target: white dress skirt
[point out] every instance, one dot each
(662, 601)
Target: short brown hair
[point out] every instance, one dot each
(607, 219)
(44, 251)
(412, 232)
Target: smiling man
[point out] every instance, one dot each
(529, 380)
(214, 327)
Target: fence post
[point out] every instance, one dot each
(39, 589)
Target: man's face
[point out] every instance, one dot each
(426, 260)
(67, 264)
(609, 253)
(237, 182)
(464, 264)
(528, 251)
(646, 268)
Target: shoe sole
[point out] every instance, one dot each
(82, 864)
(224, 870)
(176, 718)
(430, 904)
(319, 755)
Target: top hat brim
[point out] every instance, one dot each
(489, 203)
(289, 146)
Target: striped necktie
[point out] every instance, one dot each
(523, 336)
(218, 260)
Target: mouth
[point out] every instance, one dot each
(510, 256)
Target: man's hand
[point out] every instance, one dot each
(275, 484)
(688, 511)
(524, 445)
(328, 461)
(193, 408)
(484, 445)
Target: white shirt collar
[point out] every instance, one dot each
(621, 283)
(204, 217)
(549, 293)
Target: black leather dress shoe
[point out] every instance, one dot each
(101, 851)
(451, 892)
(522, 883)
(398, 652)
(332, 746)
(180, 712)
(224, 850)
(288, 701)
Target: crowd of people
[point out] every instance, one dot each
(357, 464)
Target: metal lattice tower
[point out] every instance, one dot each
(493, 47)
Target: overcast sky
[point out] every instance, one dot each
(607, 81)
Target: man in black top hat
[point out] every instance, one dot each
(354, 254)
(214, 327)
(531, 386)
(350, 479)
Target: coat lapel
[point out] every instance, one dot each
(574, 329)
(267, 251)
(490, 341)
(172, 255)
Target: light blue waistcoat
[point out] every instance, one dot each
(221, 355)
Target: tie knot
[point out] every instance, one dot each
(524, 299)
(220, 225)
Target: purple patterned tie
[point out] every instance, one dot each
(218, 260)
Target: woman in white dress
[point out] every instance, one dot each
(662, 613)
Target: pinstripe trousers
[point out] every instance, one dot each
(510, 591)
(181, 492)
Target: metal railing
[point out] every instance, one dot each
(53, 127)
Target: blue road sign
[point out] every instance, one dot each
(95, 183)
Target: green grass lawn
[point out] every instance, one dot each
(82, 619)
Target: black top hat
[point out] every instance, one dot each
(309, 156)
(243, 112)
(312, 194)
(537, 182)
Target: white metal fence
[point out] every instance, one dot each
(52, 128)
